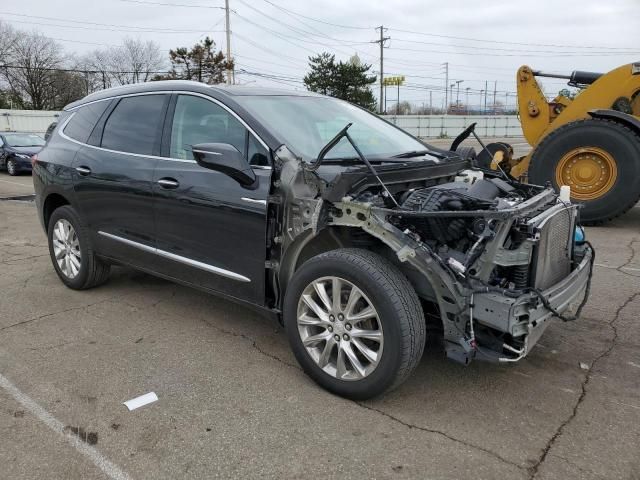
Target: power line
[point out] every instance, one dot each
(591, 54)
(95, 28)
(281, 56)
(290, 66)
(317, 20)
(299, 31)
(475, 47)
(163, 4)
(525, 44)
(85, 22)
(313, 41)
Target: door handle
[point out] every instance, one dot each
(84, 171)
(168, 183)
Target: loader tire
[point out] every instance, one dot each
(599, 159)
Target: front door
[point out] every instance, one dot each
(113, 178)
(210, 231)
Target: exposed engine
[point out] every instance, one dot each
(491, 194)
(458, 240)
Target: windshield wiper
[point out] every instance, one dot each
(414, 153)
(352, 160)
(333, 142)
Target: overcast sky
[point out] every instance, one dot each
(275, 37)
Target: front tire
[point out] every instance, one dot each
(71, 251)
(12, 168)
(599, 160)
(354, 323)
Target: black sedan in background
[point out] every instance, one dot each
(16, 150)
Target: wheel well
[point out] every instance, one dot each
(337, 237)
(51, 203)
(331, 238)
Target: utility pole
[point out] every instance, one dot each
(382, 107)
(480, 106)
(446, 87)
(495, 90)
(466, 99)
(506, 102)
(451, 101)
(430, 102)
(228, 30)
(458, 82)
(486, 91)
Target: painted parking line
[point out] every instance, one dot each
(108, 468)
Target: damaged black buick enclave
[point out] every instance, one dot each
(358, 237)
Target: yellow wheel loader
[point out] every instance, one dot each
(590, 142)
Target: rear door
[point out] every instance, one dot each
(211, 231)
(113, 177)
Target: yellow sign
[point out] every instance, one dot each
(393, 80)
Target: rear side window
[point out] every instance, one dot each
(83, 121)
(134, 125)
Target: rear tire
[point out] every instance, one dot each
(397, 317)
(610, 155)
(71, 251)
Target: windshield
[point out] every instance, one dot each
(24, 140)
(306, 124)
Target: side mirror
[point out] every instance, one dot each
(225, 158)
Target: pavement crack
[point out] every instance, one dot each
(21, 259)
(253, 342)
(605, 353)
(441, 433)
(46, 315)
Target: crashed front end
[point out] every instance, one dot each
(495, 258)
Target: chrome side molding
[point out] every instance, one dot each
(178, 258)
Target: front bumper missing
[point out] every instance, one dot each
(525, 318)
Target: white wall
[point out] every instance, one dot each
(433, 126)
(32, 121)
(426, 126)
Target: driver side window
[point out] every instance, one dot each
(197, 120)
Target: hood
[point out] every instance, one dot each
(24, 150)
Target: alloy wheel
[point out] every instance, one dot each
(340, 328)
(11, 167)
(66, 248)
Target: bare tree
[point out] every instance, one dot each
(98, 66)
(8, 36)
(134, 62)
(28, 68)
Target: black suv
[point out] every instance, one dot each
(348, 230)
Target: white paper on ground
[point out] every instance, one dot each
(141, 401)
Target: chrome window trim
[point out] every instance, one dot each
(178, 258)
(160, 92)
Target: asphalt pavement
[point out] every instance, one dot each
(234, 404)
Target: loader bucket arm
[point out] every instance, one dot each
(533, 107)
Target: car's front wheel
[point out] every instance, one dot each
(354, 322)
(71, 251)
(12, 168)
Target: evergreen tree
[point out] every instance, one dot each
(345, 80)
(201, 63)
